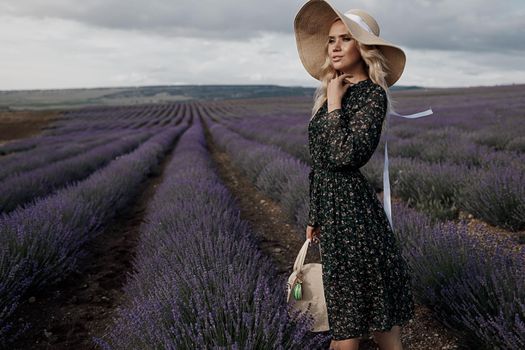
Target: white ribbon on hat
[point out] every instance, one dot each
(386, 179)
(359, 20)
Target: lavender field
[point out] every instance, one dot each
(197, 274)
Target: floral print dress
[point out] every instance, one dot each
(367, 282)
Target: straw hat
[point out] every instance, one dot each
(312, 25)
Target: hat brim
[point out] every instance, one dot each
(312, 25)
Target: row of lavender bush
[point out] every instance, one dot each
(200, 281)
(40, 244)
(18, 189)
(284, 132)
(475, 291)
(276, 173)
(99, 119)
(131, 117)
(495, 194)
(43, 155)
(31, 143)
(437, 171)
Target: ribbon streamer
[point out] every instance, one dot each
(386, 179)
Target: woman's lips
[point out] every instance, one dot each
(336, 59)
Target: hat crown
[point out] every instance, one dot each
(366, 18)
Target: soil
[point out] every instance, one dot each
(67, 315)
(511, 241)
(20, 124)
(282, 243)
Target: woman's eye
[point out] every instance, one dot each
(345, 39)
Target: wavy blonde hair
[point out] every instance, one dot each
(375, 66)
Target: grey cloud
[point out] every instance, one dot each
(471, 25)
(235, 20)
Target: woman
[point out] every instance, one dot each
(367, 283)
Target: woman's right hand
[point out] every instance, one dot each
(336, 88)
(313, 233)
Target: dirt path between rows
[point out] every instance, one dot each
(281, 242)
(68, 314)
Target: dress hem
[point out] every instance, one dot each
(373, 329)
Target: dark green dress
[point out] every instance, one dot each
(367, 282)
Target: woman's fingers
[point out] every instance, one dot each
(309, 233)
(316, 235)
(346, 81)
(341, 76)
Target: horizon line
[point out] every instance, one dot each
(230, 85)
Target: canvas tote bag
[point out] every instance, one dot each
(310, 278)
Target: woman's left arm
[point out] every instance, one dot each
(353, 136)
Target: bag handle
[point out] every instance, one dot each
(299, 261)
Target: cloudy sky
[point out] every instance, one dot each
(93, 43)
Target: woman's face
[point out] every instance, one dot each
(342, 49)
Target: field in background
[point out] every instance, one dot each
(148, 180)
(75, 98)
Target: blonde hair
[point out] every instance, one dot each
(375, 66)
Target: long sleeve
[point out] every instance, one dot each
(353, 133)
(313, 213)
